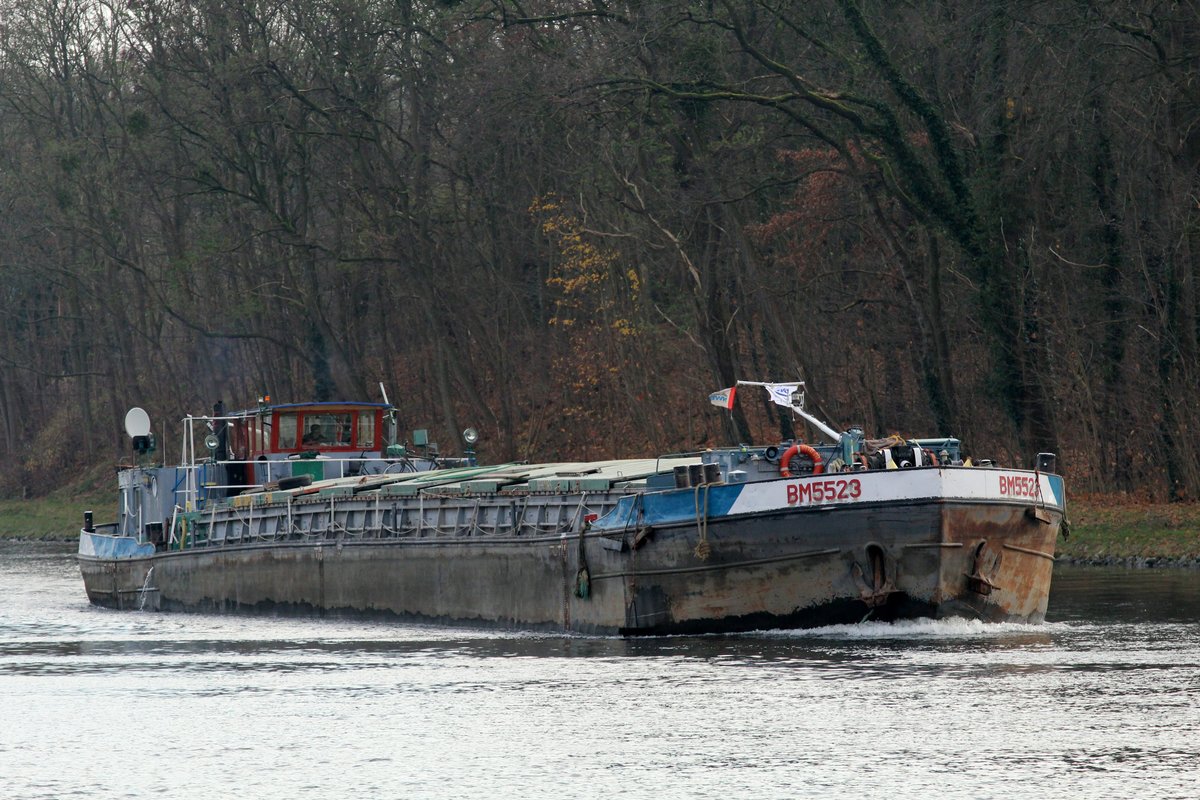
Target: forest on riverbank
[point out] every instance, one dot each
(566, 223)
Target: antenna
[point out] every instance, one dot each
(137, 425)
(137, 422)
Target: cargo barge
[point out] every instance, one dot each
(734, 539)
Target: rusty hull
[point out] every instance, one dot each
(805, 569)
(799, 568)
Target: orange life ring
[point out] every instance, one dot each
(795, 450)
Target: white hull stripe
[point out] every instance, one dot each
(840, 490)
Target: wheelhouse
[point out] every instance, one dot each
(286, 430)
(321, 440)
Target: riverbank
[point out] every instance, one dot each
(1103, 531)
(53, 518)
(1123, 532)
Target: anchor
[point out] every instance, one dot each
(981, 579)
(876, 591)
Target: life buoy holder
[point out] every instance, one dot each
(799, 449)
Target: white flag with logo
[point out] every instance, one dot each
(781, 393)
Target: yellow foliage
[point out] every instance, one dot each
(587, 277)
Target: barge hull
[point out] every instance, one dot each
(792, 569)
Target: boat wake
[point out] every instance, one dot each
(954, 628)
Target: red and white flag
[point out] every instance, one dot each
(723, 398)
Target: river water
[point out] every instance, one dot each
(1101, 701)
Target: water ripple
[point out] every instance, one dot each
(1097, 701)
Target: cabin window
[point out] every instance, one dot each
(287, 430)
(366, 430)
(331, 430)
